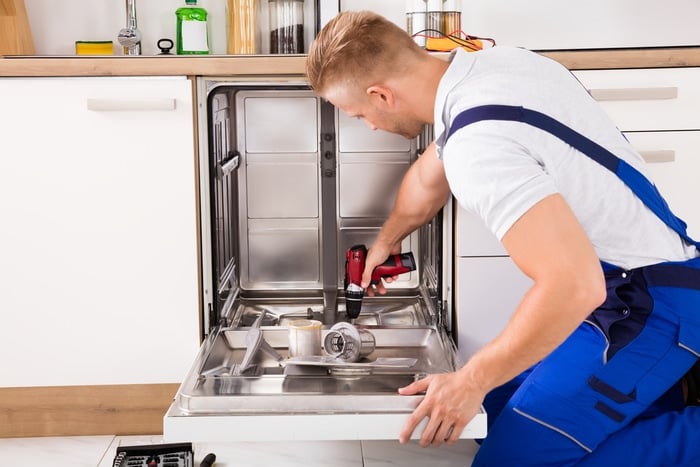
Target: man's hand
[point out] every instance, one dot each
(450, 403)
(376, 255)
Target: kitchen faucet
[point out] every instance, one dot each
(130, 37)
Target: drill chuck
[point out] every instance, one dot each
(353, 300)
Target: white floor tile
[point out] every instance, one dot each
(71, 451)
(284, 454)
(393, 453)
(99, 451)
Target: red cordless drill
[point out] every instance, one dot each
(355, 266)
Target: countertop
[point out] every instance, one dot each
(293, 65)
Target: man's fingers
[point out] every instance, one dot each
(455, 433)
(413, 420)
(416, 387)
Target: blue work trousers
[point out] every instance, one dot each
(610, 394)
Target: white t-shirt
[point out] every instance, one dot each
(500, 169)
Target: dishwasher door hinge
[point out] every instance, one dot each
(211, 318)
(443, 319)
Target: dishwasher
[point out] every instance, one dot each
(288, 184)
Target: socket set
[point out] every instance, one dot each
(155, 455)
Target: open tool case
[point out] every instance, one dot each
(288, 184)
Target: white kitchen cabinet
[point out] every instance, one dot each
(473, 238)
(98, 279)
(674, 165)
(647, 99)
(656, 109)
(488, 291)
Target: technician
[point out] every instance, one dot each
(590, 368)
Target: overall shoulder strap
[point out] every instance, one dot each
(638, 183)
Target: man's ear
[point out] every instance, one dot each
(380, 95)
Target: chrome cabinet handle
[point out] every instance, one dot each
(634, 94)
(146, 104)
(655, 157)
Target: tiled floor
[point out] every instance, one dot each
(99, 451)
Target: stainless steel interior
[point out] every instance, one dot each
(293, 184)
(274, 386)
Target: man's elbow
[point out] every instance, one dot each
(592, 292)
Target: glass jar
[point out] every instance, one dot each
(242, 26)
(434, 23)
(452, 17)
(416, 20)
(286, 26)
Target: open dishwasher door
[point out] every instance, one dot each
(289, 184)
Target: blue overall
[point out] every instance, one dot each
(610, 394)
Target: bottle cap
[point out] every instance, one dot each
(191, 2)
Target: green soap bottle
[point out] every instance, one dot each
(192, 30)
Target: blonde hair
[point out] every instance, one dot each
(358, 47)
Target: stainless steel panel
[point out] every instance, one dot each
(355, 136)
(280, 124)
(280, 189)
(284, 253)
(282, 185)
(368, 183)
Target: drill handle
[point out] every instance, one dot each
(393, 266)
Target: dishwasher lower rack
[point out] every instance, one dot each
(279, 401)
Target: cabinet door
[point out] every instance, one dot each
(674, 165)
(488, 291)
(647, 99)
(98, 282)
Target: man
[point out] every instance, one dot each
(588, 371)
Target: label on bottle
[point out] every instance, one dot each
(194, 36)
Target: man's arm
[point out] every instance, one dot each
(549, 245)
(423, 192)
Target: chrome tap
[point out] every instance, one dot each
(130, 37)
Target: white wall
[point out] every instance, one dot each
(534, 24)
(57, 24)
(560, 24)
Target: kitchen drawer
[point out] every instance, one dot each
(674, 165)
(647, 99)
